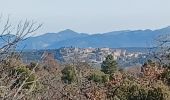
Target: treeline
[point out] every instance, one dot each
(79, 81)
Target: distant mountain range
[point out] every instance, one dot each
(114, 39)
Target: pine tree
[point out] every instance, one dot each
(109, 66)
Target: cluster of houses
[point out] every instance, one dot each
(95, 55)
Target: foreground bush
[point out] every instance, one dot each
(69, 74)
(99, 77)
(131, 90)
(25, 74)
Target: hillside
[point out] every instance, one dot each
(115, 39)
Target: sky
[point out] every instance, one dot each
(90, 16)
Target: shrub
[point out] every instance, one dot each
(23, 73)
(99, 77)
(136, 91)
(69, 74)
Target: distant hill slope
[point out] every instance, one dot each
(115, 39)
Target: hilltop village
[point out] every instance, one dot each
(90, 55)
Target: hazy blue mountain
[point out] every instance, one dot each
(45, 40)
(115, 39)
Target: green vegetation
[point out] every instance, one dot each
(69, 74)
(80, 81)
(99, 77)
(25, 75)
(137, 91)
(109, 66)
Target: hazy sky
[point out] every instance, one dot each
(92, 16)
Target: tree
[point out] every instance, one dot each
(11, 35)
(16, 81)
(109, 66)
(69, 74)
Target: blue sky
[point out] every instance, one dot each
(91, 16)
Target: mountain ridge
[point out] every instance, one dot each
(113, 39)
